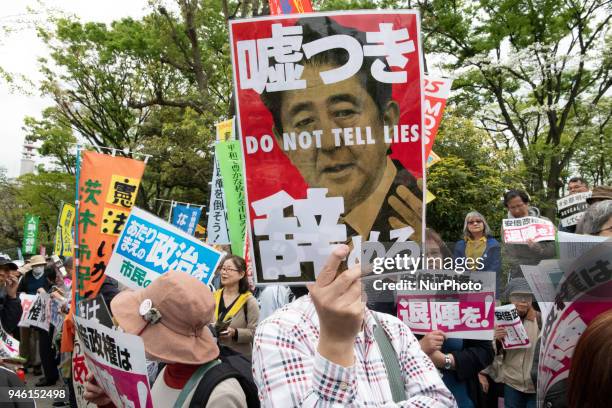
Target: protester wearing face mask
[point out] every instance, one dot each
(30, 283)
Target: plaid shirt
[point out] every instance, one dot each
(289, 372)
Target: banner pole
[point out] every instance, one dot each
(77, 277)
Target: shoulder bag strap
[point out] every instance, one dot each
(194, 381)
(394, 371)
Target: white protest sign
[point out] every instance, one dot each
(570, 208)
(149, 247)
(520, 230)
(117, 361)
(9, 347)
(39, 314)
(80, 371)
(582, 295)
(516, 337)
(26, 303)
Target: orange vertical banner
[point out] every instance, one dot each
(108, 186)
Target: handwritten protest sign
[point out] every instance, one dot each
(508, 318)
(149, 247)
(225, 130)
(217, 218)
(63, 235)
(186, 217)
(9, 347)
(117, 361)
(30, 233)
(229, 157)
(39, 313)
(520, 230)
(26, 304)
(459, 313)
(322, 166)
(583, 293)
(571, 208)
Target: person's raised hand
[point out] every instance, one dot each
(432, 341)
(11, 285)
(94, 393)
(409, 207)
(337, 300)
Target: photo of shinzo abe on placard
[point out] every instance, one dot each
(330, 120)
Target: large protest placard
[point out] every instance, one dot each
(186, 217)
(108, 186)
(39, 313)
(585, 291)
(330, 118)
(570, 208)
(428, 305)
(436, 91)
(520, 230)
(30, 233)
(229, 157)
(149, 247)
(63, 233)
(117, 361)
(217, 218)
(9, 347)
(507, 317)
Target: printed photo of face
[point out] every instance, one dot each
(352, 172)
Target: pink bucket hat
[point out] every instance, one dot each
(171, 316)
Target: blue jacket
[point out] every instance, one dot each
(491, 259)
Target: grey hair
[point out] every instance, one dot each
(475, 214)
(595, 217)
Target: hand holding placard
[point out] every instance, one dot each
(337, 300)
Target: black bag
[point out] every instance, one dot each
(233, 365)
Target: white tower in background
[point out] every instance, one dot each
(27, 159)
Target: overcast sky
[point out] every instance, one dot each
(19, 53)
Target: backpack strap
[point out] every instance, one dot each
(193, 382)
(394, 371)
(216, 376)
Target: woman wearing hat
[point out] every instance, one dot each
(171, 315)
(236, 310)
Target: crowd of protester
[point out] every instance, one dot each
(315, 346)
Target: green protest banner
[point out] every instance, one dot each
(30, 234)
(229, 155)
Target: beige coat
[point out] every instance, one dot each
(246, 329)
(516, 366)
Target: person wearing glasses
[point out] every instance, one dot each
(478, 242)
(236, 309)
